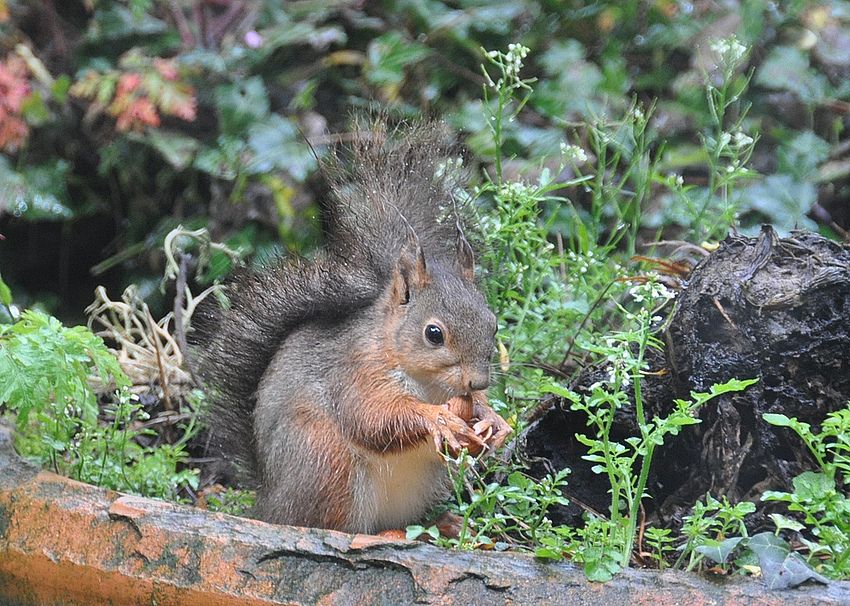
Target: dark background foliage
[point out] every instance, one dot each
(120, 120)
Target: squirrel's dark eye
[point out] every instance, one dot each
(434, 334)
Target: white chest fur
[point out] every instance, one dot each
(401, 487)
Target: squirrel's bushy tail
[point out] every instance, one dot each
(388, 186)
(233, 345)
(391, 185)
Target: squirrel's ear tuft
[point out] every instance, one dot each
(410, 272)
(465, 257)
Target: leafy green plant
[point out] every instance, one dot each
(620, 179)
(660, 542)
(713, 529)
(501, 514)
(818, 496)
(709, 211)
(46, 374)
(627, 464)
(231, 501)
(111, 456)
(543, 294)
(532, 305)
(45, 369)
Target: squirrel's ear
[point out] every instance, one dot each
(410, 272)
(465, 257)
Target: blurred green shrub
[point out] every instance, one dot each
(210, 112)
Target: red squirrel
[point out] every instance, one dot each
(336, 382)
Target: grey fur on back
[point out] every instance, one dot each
(388, 187)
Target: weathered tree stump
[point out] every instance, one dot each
(774, 309)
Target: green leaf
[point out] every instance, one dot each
(782, 201)
(414, 531)
(60, 87)
(801, 154)
(781, 567)
(811, 486)
(388, 57)
(548, 552)
(242, 104)
(784, 523)
(779, 420)
(574, 84)
(179, 150)
(599, 566)
(289, 34)
(787, 68)
(45, 362)
(560, 390)
(223, 160)
(718, 551)
(38, 192)
(5, 294)
(114, 22)
(277, 145)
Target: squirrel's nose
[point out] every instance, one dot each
(479, 381)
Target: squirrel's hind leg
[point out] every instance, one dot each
(306, 477)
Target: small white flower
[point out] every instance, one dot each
(674, 180)
(742, 139)
(720, 47)
(729, 51)
(574, 153)
(736, 50)
(659, 291)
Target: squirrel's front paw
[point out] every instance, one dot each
(490, 424)
(451, 433)
(485, 422)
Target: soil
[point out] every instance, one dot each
(775, 309)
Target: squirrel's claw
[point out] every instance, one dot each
(451, 433)
(489, 428)
(490, 424)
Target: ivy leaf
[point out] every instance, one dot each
(389, 56)
(718, 551)
(781, 567)
(782, 200)
(788, 68)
